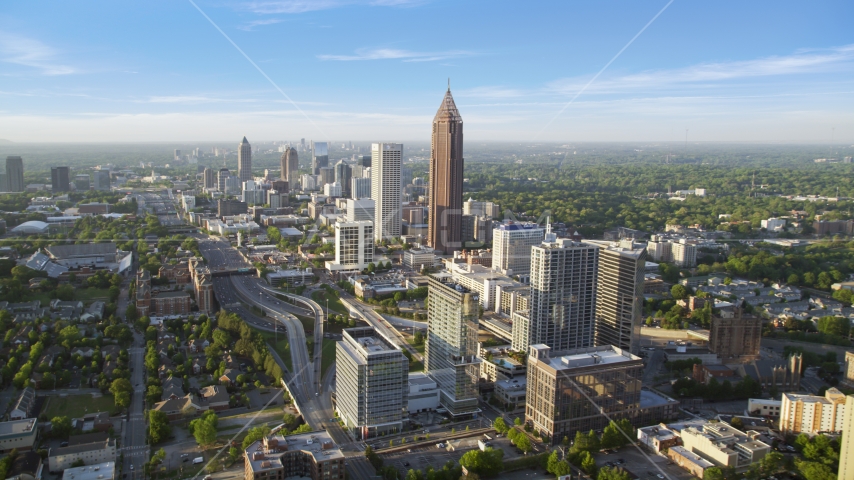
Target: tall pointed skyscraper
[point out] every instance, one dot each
(446, 178)
(290, 165)
(244, 161)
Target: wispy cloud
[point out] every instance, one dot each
(249, 26)
(266, 7)
(32, 53)
(804, 61)
(395, 54)
(181, 99)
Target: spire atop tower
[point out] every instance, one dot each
(448, 109)
(244, 140)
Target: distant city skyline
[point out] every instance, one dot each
(717, 72)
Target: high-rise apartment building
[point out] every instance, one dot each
(360, 188)
(14, 175)
(684, 254)
(60, 179)
(385, 188)
(209, 178)
(343, 175)
(736, 339)
(371, 383)
(319, 156)
(102, 180)
(333, 190)
(562, 308)
(659, 249)
(444, 231)
(619, 295)
(812, 414)
(326, 175)
(580, 390)
(846, 452)
(511, 247)
(354, 245)
(483, 209)
(244, 161)
(452, 344)
(308, 455)
(289, 164)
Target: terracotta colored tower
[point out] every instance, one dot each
(446, 178)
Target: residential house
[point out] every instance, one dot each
(24, 406)
(85, 352)
(214, 397)
(229, 377)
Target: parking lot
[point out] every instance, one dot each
(646, 467)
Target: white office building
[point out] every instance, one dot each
(511, 247)
(354, 246)
(684, 254)
(332, 189)
(360, 210)
(385, 188)
(774, 224)
(360, 188)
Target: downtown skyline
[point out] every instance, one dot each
(722, 74)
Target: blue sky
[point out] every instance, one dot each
(778, 71)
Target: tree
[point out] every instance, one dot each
(588, 463)
(255, 434)
(483, 462)
(713, 473)
(524, 443)
(159, 428)
(609, 473)
(60, 427)
(737, 423)
(552, 462)
(771, 463)
(678, 292)
(121, 390)
(517, 421)
(233, 453)
(204, 428)
(611, 437)
(562, 468)
(500, 426)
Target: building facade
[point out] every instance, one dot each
(571, 391)
(60, 179)
(444, 232)
(244, 161)
(90, 453)
(372, 383)
(511, 247)
(354, 245)
(812, 414)
(319, 157)
(846, 452)
(343, 175)
(451, 350)
(619, 295)
(360, 210)
(18, 434)
(562, 309)
(360, 188)
(385, 189)
(289, 165)
(14, 174)
(277, 457)
(736, 339)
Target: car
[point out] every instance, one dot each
(184, 455)
(131, 466)
(440, 445)
(185, 460)
(405, 464)
(659, 475)
(620, 461)
(63, 444)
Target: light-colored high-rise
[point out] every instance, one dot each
(452, 343)
(222, 179)
(360, 188)
(354, 245)
(444, 232)
(684, 254)
(244, 161)
(14, 174)
(385, 188)
(290, 165)
(371, 383)
(360, 210)
(619, 295)
(846, 452)
(562, 309)
(812, 414)
(511, 247)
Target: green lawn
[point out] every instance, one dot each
(420, 348)
(415, 366)
(334, 303)
(88, 295)
(282, 347)
(327, 356)
(75, 406)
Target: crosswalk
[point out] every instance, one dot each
(137, 416)
(135, 451)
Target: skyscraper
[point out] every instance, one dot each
(319, 156)
(290, 164)
(102, 180)
(619, 295)
(846, 452)
(385, 188)
(451, 349)
(222, 179)
(562, 307)
(360, 188)
(343, 174)
(210, 181)
(372, 383)
(81, 182)
(244, 161)
(60, 179)
(14, 175)
(444, 232)
(511, 247)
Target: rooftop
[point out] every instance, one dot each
(317, 444)
(649, 399)
(98, 471)
(587, 357)
(692, 457)
(17, 427)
